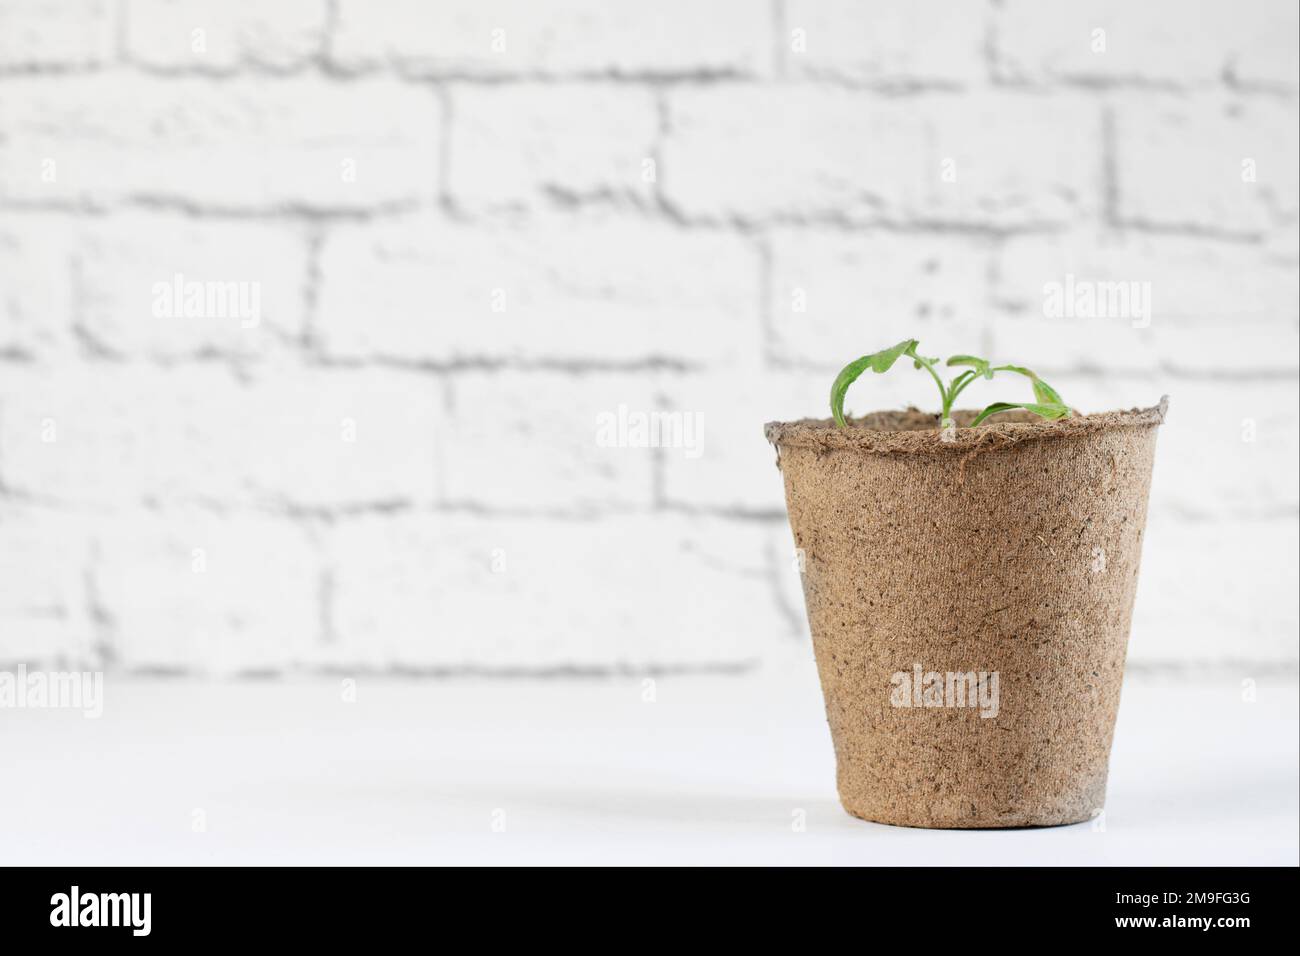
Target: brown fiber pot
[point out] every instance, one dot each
(969, 599)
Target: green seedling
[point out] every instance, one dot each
(1047, 403)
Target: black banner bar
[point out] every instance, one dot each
(334, 905)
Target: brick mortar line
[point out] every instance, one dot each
(554, 209)
(900, 87)
(731, 668)
(247, 369)
(323, 61)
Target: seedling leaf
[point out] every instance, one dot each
(1049, 410)
(878, 362)
(981, 366)
(1042, 391)
(1047, 404)
(1045, 393)
(922, 362)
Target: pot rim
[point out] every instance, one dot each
(821, 433)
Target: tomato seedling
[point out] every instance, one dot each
(1047, 402)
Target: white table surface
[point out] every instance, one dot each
(566, 771)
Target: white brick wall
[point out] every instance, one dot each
(903, 42)
(237, 143)
(1165, 42)
(918, 286)
(475, 226)
(55, 34)
(521, 38)
(596, 289)
(987, 159)
(208, 590)
(36, 276)
(1236, 164)
(462, 592)
(221, 36)
(112, 435)
(527, 441)
(515, 144)
(119, 260)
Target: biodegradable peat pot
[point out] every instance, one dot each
(1010, 551)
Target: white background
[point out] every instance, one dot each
(477, 226)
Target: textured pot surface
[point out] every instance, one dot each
(969, 598)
